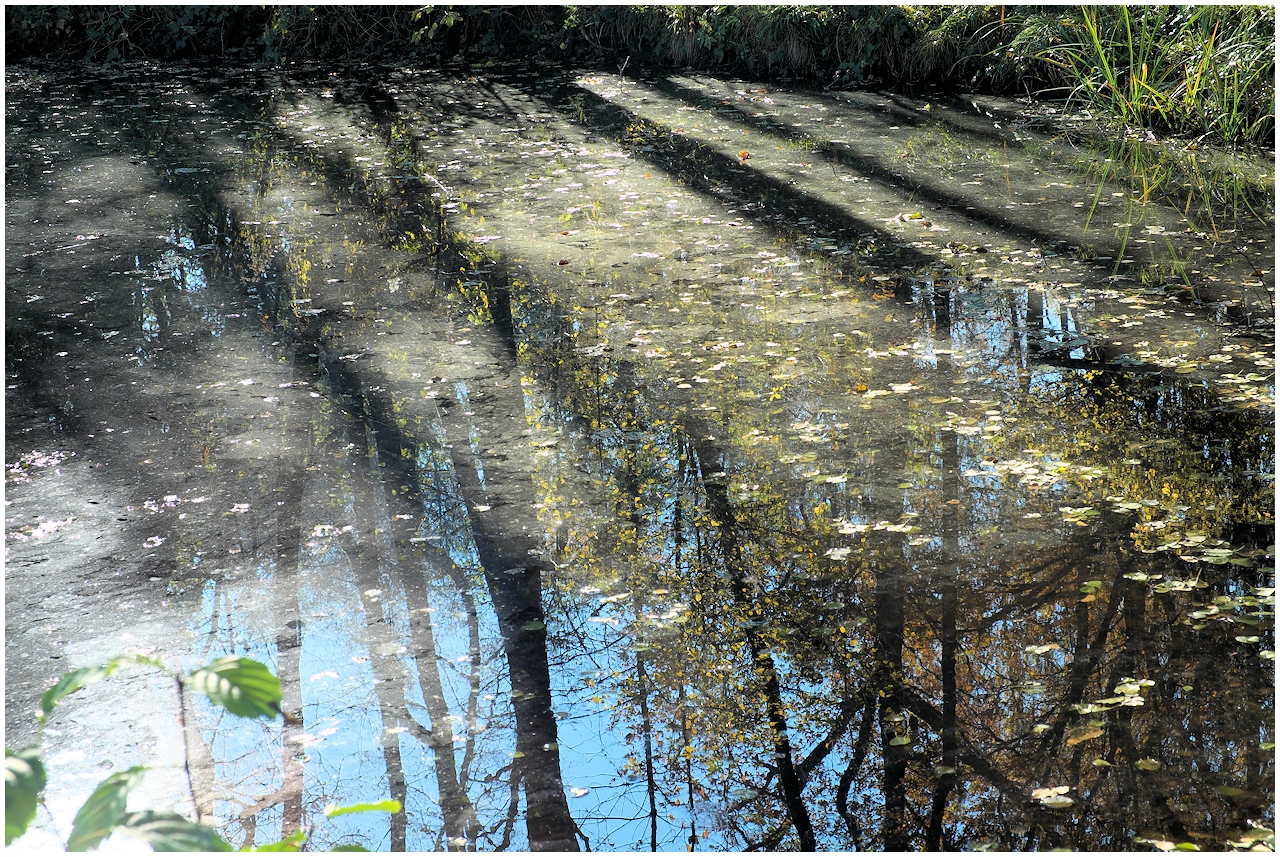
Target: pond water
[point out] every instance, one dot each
(644, 461)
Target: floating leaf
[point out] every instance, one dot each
(1142, 577)
(103, 810)
(24, 779)
(242, 686)
(1147, 765)
(1041, 794)
(1158, 844)
(1083, 733)
(1261, 835)
(900, 740)
(1054, 797)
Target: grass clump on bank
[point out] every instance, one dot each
(1195, 71)
(1206, 70)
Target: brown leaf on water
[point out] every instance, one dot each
(1083, 733)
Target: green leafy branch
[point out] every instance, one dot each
(242, 686)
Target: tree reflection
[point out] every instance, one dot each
(977, 700)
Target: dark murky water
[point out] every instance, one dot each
(638, 463)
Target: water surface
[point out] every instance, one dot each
(642, 462)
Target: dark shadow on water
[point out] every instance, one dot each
(776, 203)
(846, 155)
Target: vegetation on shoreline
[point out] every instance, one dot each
(1194, 71)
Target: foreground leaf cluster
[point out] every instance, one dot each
(244, 687)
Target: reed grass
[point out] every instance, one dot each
(1205, 70)
(1196, 71)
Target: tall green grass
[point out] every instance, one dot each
(1186, 70)
(1205, 70)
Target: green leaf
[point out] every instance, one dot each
(103, 810)
(242, 686)
(70, 683)
(76, 679)
(167, 831)
(293, 842)
(333, 811)
(24, 779)
(899, 740)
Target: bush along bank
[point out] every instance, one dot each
(1193, 71)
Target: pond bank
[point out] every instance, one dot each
(1200, 72)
